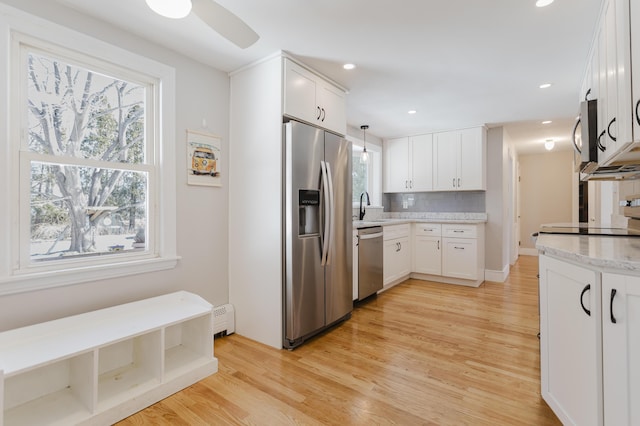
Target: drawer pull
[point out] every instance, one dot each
(458, 248)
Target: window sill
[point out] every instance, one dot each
(37, 281)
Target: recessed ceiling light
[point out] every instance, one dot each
(545, 85)
(412, 111)
(348, 66)
(547, 122)
(543, 3)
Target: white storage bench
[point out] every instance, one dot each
(102, 366)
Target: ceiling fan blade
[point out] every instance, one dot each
(225, 23)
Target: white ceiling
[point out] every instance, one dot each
(459, 63)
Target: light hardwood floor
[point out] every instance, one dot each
(421, 353)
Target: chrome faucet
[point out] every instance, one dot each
(362, 209)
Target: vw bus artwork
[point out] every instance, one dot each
(203, 161)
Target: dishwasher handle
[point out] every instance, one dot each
(370, 236)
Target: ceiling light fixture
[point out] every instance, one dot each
(412, 111)
(543, 3)
(547, 122)
(174, 9)
(545, 85)
(364, 157)
(348, 66)
(549, 144)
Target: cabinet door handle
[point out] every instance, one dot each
(609, 129)
(438, 244)
(613, 295)
(406, 184)
(410, 184)
(637, 115)
(454, 182)
(600, 146)
(575, 130)
(458, 182)
(584, 290)
(324, 114)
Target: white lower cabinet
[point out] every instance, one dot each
(396, 253)
(459, 258)
(102, 366)
(589, 344)
(427, 249)
(570, 342)
(451, 253)
(621, 349)
(355, 264)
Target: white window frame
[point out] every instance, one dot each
(374, 176)
(17, 274)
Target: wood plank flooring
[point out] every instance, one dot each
(421, 353)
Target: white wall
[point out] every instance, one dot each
(498, 202)
(202, 213)
(546, 194)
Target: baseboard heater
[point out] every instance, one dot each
(223, 320)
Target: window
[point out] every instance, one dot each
(367, 177)
(91, 195)
(88, 155)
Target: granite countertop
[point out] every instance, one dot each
(400, 218)
(610, 253)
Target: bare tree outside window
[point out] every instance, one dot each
(89, 184)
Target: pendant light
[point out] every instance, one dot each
(175, 9)
(364, 157)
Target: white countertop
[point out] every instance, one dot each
(611, 253)
(400, 218)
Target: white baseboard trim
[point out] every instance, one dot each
(497, 276)
(528, 251)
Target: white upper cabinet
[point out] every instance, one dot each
(614, 81)
(408, 164)
(610, 124)
(460, 160)
(311, 98)
(396, 160)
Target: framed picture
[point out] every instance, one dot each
(203, 159)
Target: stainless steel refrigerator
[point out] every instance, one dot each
(318, 259)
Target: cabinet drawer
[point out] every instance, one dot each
(428, 229)
(396, 231)
(460, 231)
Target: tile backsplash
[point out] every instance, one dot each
(467, 201)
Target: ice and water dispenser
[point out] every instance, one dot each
(308, 212)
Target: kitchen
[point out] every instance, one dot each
(207, 257)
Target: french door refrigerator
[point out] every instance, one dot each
(317, 286)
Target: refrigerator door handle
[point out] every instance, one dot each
(332, 209)
(327, 207)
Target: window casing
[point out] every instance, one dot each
(86, 159)
(368, 176)
(153, 171)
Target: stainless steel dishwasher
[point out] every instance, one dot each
(369, 261)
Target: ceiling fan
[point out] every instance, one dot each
(217, 17)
